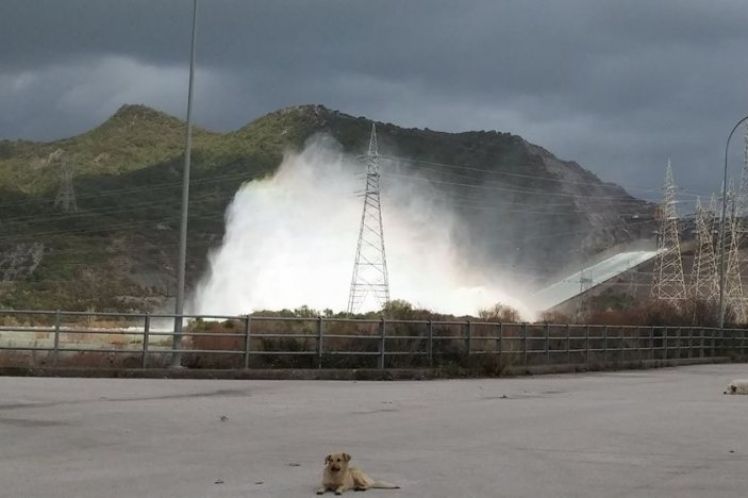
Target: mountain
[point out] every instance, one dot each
(518, 203)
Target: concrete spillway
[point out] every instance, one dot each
(587, 278)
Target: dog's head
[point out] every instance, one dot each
(337, 462)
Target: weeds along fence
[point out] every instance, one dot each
(82, 339)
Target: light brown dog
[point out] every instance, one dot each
(339, 477)
(737, 387)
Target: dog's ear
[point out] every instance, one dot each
(328, 459)
(346, 457)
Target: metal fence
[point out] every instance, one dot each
(81, 339)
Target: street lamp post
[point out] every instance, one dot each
(179, 307)
(722, 304)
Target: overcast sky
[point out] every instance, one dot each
(616, 85)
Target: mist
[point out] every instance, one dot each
(290, 240)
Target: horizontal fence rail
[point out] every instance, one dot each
(82, 339)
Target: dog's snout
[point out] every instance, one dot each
(335, 468)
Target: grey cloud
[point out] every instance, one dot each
(617, 86)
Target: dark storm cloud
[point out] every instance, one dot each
(618, 86)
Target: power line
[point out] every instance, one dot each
(493, 188)
(500, 173)
(153, 187)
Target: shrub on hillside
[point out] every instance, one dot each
(500, 313)
(691, 312)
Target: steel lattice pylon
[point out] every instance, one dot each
(742, 197)
(668, 283)
(65, 198)
(735, 231)
(370, 280)
(705, 285)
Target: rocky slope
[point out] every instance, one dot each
(518, 203)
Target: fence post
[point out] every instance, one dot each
(382, 331)
(739, 342)
(724, 342)
(501, 334)
(146, 336)
(431, 344)
(651, 342)
(469, 337)
(714, 343)
(605, 344)
(176, 341)
(695, 343)
(55, 358)
(247, 340)
(680, 342)
(719, 343)
(738, 338)
(524, 342)
(320, 343)
(568, 344)
(548, 343)
(664, 343)
(587, 344)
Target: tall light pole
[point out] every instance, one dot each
(722, 304)
(176, 359)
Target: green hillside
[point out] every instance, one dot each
(118, 250)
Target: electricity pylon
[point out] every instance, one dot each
(713, 211)
(733, 280)
(742, 198)
(65, 198)
(705, 285)
(668, 283)
(737, 210)
(370, 280)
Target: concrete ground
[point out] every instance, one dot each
(653, 433)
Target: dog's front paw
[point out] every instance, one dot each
(338, 492)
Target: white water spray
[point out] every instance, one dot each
(290, 241)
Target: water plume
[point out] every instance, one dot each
(290, 240)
